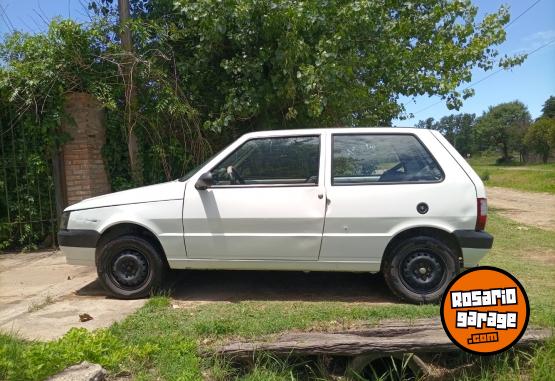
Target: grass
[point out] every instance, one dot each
(161, 342)
(529, 254)
(533, 178)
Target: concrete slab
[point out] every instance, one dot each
(41, 297)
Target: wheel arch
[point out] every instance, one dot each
(435, 232)
(128, 228)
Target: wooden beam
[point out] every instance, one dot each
(392, 338)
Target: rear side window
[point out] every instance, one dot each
(375, 159)
(269, 161)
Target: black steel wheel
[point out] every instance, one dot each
(419, 269)
(422, 271)
(130, 267)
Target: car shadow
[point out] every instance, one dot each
(237, 286)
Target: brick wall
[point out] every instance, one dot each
(84, 170)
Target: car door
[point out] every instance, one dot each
(374, 185)
(267, 202)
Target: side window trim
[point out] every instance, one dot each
(276, 185)
(332, 165)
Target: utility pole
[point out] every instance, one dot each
(130, 92)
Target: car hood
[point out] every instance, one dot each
(172, 190)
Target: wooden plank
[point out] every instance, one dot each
(387, 339)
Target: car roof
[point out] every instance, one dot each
(336, 130)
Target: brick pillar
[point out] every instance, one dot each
(84, 170)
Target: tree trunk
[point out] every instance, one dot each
(130, 94)
(505, 152)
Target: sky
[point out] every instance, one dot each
(532, 82)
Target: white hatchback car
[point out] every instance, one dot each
(396, 200)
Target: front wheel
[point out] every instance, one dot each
(130, 267)
(419, 269)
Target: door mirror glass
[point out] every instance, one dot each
(204, 181)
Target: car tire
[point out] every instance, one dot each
(419, 269)
(130, 267)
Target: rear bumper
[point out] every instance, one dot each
(474, 240)
(79, 246)
(474, 245)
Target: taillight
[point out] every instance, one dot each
(482, 215)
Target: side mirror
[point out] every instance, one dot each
(204, 181)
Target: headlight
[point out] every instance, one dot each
(64, 220)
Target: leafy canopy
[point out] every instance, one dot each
(458, 129)
(540, 137)
(548, 109)
(265, 64)
(505, 125)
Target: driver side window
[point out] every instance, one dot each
(271, 161)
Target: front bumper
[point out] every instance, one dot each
(78, 238)
(83, 256)
(474, 245)
(79, 246)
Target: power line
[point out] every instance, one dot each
(6, 18)
(522, 14)
(485, 78)
(500, 69)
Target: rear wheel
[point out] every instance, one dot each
(420, 268)
(130, 267)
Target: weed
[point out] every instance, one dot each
(35, 306)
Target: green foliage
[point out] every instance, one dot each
(38, 360)
(38, 71)
(458, 129)
(548, 109)
(260, 64)
(540, 137)
(267, 64)
(26, 200)
(504, 126)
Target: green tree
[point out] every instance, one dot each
(504, 126)
(428, 124)
(261, 64)
(548, 109)
(458, 129)
(540, 137)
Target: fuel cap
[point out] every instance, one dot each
(422, 208)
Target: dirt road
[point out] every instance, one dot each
(41, 297)
(531, 208)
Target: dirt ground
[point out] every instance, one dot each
(531, 208)
(41, 297)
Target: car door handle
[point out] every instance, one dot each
(320, 196)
